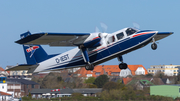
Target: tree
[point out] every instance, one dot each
(111, 85)
(101, 80)
(90, 80)
(149, 75)
(59, 78)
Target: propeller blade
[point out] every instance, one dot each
(104, 27)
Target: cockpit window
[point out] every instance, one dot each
(120, 36)
(130, 31)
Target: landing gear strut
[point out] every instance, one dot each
(89, 66)
(122, 65)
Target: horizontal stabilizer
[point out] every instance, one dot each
(30, 68)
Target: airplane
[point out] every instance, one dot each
(91, 48)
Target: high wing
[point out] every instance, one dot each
(28, 67)
(161, 35)
(54, 39)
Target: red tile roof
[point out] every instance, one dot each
(4, 93)
(133, 68)
(106, 69)
(1, 69)
(126, 80)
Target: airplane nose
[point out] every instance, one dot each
(165, 33)
(161, 35)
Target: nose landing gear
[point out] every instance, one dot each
(154, 45)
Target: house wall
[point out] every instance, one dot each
(3, 87)
(140, 71)
(28, 88)
(16, 88)
(168, 70)
(23, 72)
(165, 90)
(125, 72)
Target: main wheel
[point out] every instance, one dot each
(154, 46)
(89, 67)
(123, 66)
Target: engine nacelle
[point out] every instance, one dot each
(93, 43)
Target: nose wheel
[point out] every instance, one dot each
(154, 46)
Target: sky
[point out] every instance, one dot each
(79, 16)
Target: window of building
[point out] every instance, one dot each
(179, 90)
(115, 73)
(2, 87)
(27, 86)
(174, 70)
(32, 85)
(97, 73)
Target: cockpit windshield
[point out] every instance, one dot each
(130, 31)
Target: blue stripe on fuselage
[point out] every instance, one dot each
(114, 49)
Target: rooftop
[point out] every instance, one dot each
(22, 81)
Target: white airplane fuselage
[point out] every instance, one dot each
(112, 46)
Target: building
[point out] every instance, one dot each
(17, 87)
(66, 92)
(5, 96)
(22, 72)
(169, 70)
(137, 70)
(165, 90)
(3, 72)
(140, 84)
(111, 70)
(21, 87)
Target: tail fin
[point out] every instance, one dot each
(33, 53)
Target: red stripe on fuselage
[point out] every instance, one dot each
(142, 34)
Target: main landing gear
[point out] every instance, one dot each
(122, 65)
(88, 66)
(154, 45)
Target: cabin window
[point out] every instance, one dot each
(130, 31)
(111, 39)
(120, 36)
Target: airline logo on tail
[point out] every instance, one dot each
(32, 50)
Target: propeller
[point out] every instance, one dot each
(104, 27)
(97, 30)
(136, 25)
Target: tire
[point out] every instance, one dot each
(89, 67)
(122, 66)
(154, 46)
